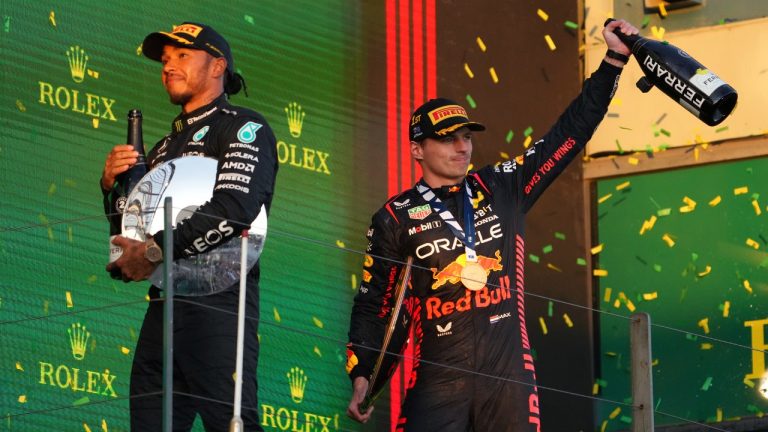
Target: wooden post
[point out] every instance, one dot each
(642, 380)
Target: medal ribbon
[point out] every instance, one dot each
(466, 235)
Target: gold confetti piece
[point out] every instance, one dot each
(543, 325)
(543, 15)
(550, 42)
(95, 123)
(554, 267)
(317, 322)
(741, 190)
(340, 243)
(22, 399)
(756, 206)
(696, 154)
(655, 362)
(648, 225)
(567, 319)
(668, 240)
(527, 141)
(719, 410)
(468, 71)
(686, 209)
(662, 9)
(19, 367)
(617, 304)
(633, 160)
(622, 186)
(689, 202)
(615, 413)
(749, 383)
(125, 350)
(599, 272)
(753, 244)
(706, 346)
(93, 74)
(277, 314)
(317, 351)
(69, 299)
(85, 426)
(607, 295)
(353, 279)
(747, 286)
(707, 270)
(146, 297)
(20, 106)
(104, 427)
(52, 18)
(658, 32)
(715, 201)
(494, 77)
(597, 249)
(604, 426)
(630, 305)
(138, 50)
(504, 155)
(704, 324)
(481, 44)
(726, 309)
(650, 296)
(595, 388)
(604, 198)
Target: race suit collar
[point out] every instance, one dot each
(185, 120)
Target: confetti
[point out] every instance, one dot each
(753, 244)
(277, 315)
(571, 25)
(509, 136)
(93, 74)
(707, 384)
(494, 77)
(707, 270)
(726, 309)
(595, 388)
(249, 19)
(721, 129)
(756, 206)
(95, 123)
(615, 413)
(648, 225)
(22, 399)
(124, 350)
(630, 305)
(567, 319)
(471, 102)
(547, 249)
(600, 272)
(704, 324)
(633, 161)
(353, 279)
(706, 346)
(6, 23)
(715, 201)
(550, 42)
(664, 212)
(618, 146)
(747, 286)
(92, 278)
(533, 258)
(340, 243)
(19, 367)
(543, 15)
(82, 401)
(554, 267)
(607, 295)
(559, 235)
(481, 44)
(20, 106)
(604, 426)
(317, 322)
(52, 18)
(527, 141)
(597, 249)
(658, 32)
(749, 383)
(662, 10)
(543, 325)
(741, 190)
(504, 155)
(69, 299)
(581, 261)
(622, 186)
(316, 350)
(668, 240)
(550, 308)
(604, 198)
(468, 70)
(650, 296)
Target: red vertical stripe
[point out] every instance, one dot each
(431, 27)
(418, 71)
(405, 90)
(392, 123)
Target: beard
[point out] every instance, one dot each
(179, 98)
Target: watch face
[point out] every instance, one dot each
(154, 253)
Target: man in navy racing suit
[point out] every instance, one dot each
(198, 74)
(473, 368)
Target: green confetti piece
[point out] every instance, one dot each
(664, 212)
(547, 249)
(721, 129)
(601, 382)
(663, 147)
(694, 256)
(43, 220)
(6, 26)
(618, 146)
(626, 419)
(657, 268)
(52, 189)
(571, 25)
(70, 236)
(533, 258)
(82, 401)
(707, 384)
(471, 101)
(646, 21)
(534, 354)
(510, 135)
(249, 19)
(691, 337)
(628, 400)
(92, 278)
(665, 132)
(721, 307)
(559, 235)
(755, 196)
(317, 322)
(658, 402)
(70, 183)
(528, 131)
(583, 262)
(550, 306)
(50, 233)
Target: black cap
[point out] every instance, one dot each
(439, 117)
(195, 36)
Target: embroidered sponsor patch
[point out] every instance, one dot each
(247, 133)
(420, 212)
(200, 134)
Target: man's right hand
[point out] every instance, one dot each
(359, 387)
(119, 160)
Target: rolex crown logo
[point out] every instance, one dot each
(77, 63)
(295, 118)
(78, 339)
(297, 382)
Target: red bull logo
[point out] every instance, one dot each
(452, 272)
(483, 298)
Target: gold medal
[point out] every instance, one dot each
(473, 276)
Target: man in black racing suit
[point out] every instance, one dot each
(473, 369)
(198, 74)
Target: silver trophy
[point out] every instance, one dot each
(189, 181)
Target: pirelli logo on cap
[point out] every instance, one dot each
(448, 111)
(189, 29)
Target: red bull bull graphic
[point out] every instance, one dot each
(452, 272)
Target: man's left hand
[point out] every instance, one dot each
(132, 263)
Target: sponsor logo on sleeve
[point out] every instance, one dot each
(247, 133)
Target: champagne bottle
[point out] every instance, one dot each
(125, 183)
(681, 77)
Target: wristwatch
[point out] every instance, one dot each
(153, 253)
